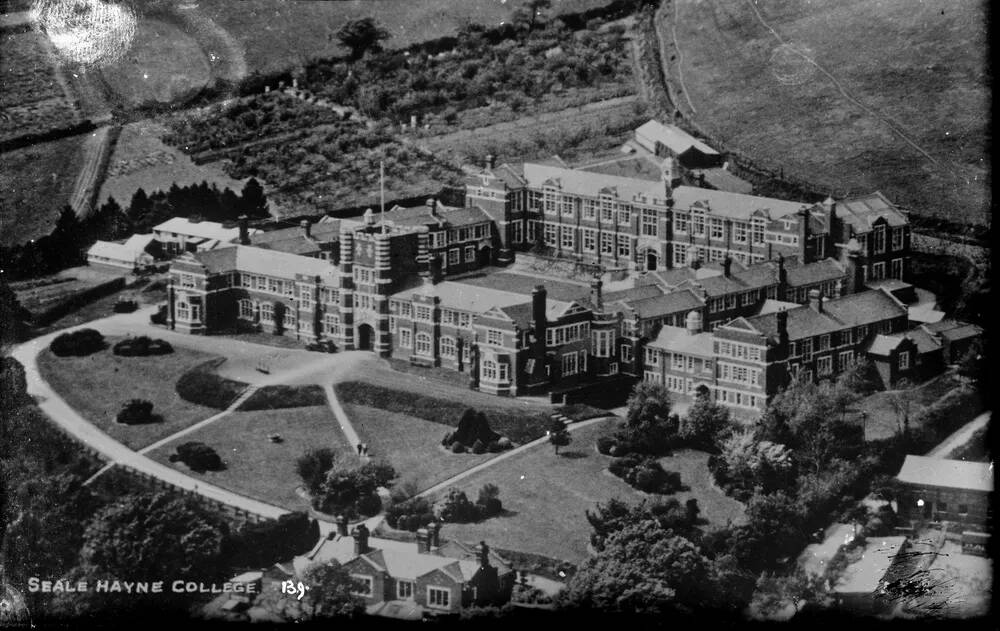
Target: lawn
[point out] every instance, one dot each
(279, 33)
(545, 497)
(411, 445)
(141, 160)
(883, 420)
(37, 182)
(914, 68)
(98, 385)
(255, 466)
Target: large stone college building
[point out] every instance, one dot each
(732, 292)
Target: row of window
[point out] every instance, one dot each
(615, 244)
(443, 238)
(735, 373)
(559, 335)
(737, 350)
(438, 597)
(689, 387)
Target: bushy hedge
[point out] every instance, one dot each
(280, 397)
(125, 306)
(518, 427)
(78, 343)
(135, 412)
(412, 514)
(455, 506)
(204, 387)
(198, 456)
(141, 347)
(646, 474)
(263, 544)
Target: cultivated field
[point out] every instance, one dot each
(411, 445)
(141, 160)
(34, 99)
(255, 466)
(278, 33)
(547, 496)
(37, 182)
(98, 385)
(852, 96)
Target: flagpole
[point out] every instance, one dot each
(381, 189)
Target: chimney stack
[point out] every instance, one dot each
(431, 207)
(804, 234)
(540, 326)
(483, 552)
(816, 300)
(341, 521)
(437, 269)
(782, 319)
(490, 161)
(244, 230)
(596, 294)
(727, 266)
(306, 228)
(855, 267)
(434, 529)
(423, 541)
(693, 322)
(361, 540)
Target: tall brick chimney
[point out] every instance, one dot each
(854, 268)
(727, 266)
(423, 541)
(434, 529)
(436, 268)
(816, 300)
(341, 521)
(782, 319)
(804, 234)
(483, 552)
(244, 222)
(361, 540)
(596, 295)
(540, 325)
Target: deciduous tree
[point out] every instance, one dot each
(362, 35)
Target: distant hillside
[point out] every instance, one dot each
(910, 113)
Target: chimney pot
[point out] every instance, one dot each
(816, 300)
(244, 223)
(341, 522)
(361, 540)
(727, 266)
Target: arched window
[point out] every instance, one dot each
(424, 344)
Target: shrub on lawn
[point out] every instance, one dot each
(478, 447)
(455, 507)
(142, 346)
(78, 343)
(489, 501)
(494, 447)
(160, 317)
(135, 412)
(313, 466)
(198, 456)
(457, 448)
(353, 492)
(646, 474)
(204, 387)
(605, 444)
(125, 306)
(411, 514)
(280, 397)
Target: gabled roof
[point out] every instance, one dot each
(924, 340)
(294, 241)
(944, 473)
(724, 180)
(421, 215)
(665, 304)
(862, 212)
(863, 308)
(673, 137)
(772, 306)
(641, 292)
(884, 344)
(678, 340)
(114, 251)
(462, 296)
(953, 330)
(524, 284)
(139, 242)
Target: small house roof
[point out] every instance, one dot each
(673, 137)
(951, 474)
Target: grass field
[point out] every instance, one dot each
(545, 497)
(37, 182)
(141, 160)
(884, 422)
(163, 65)
(98, 385)
(411, 445)
(255, 466)
(902, 66)
(279, 33)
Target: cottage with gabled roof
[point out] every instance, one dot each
(938, 490)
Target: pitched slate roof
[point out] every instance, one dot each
(673, 302)
(924, 340)
(294, 241)
(884, 344)
(723, 180)
(733, 205)
(952, 330)
(678, 340)
(253, 260)
(139, 242)
(771, 306)
(114, 251)
(817, 272)
(421, 215)
(201, 229)
(641, 292)
(593, 184)
(864, 308)
(524, 284)
(951, 474)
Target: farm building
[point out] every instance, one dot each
(671, 141)
(938, 489)
(131, 255)
(180, 234)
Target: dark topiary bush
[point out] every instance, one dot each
(198, 456)
(494, 447)
(491, 507)
(142, 346)
(410, 515)
(478, 447)
(473, 426)
(78, 343)
(135, 412)
(457, 448)
(160, 317)
(125, 306)
(605, 444)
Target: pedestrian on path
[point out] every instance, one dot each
(364, 449)
(360, 447)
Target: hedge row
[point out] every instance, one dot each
(202, 386)
(646, 474)
(518, 427)
(281, 397)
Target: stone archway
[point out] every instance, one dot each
(652, 260)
